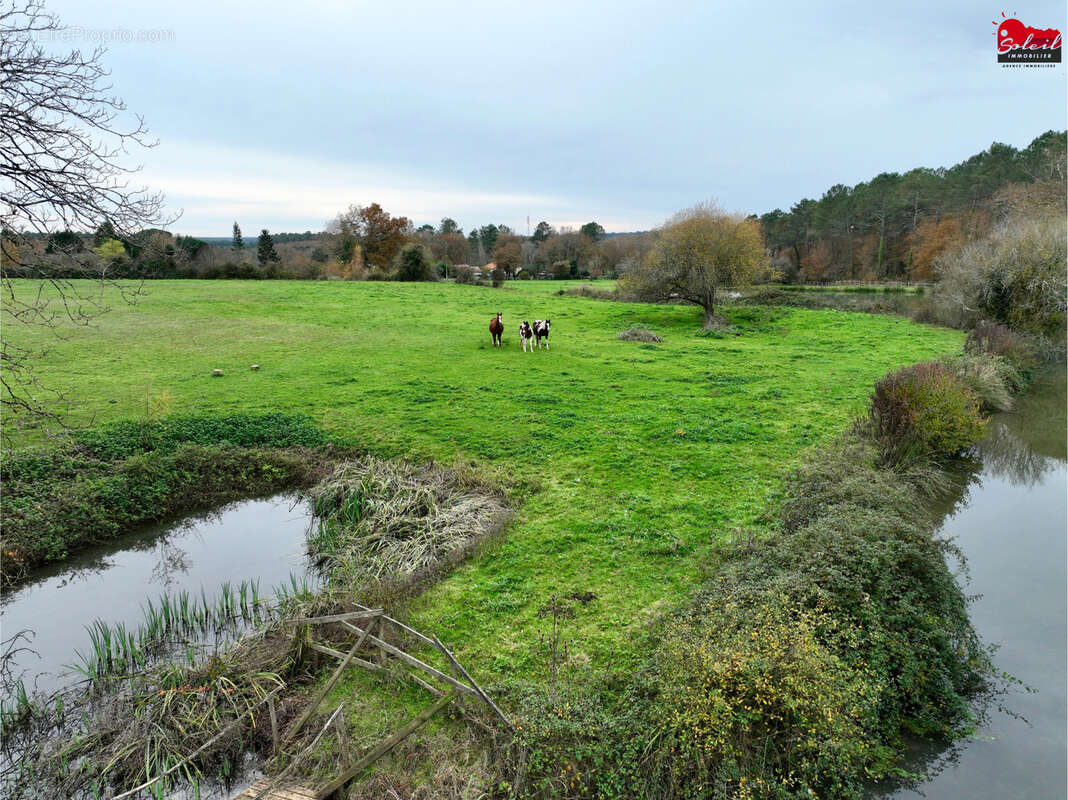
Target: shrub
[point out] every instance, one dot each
(638, 333)
(923, 411)
(758, 706)
(464, 275)
(413, 263)
(1016, 276)
(990, 378)
(999, 340)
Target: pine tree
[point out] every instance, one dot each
(265, 252)
(239, 243)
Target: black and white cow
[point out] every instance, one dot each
(541, 331)
(526, 333)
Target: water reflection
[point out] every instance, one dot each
(260, 540)
(1004, 454)
(1008, 513)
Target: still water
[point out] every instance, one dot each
(260, 540)
(1012, 527)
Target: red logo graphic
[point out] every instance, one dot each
(1019, 42)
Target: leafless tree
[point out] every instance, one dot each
(63, 142)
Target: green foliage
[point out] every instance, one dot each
(1016, 276)
(924, 411)
(265, 252)
(127, 472)
(757, 703)
(413, 263)
(797, 670)
(124, 438)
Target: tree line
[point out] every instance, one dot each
(363, 242)
(895, 226)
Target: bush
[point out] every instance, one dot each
(1016, 276)
(413, 263)
(990, 378)
(999, 340)
(464, 275)
(923, 412)
(760, 706)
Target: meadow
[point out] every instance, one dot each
(628, 461)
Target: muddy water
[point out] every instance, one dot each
(1012, 527)
(260, 540)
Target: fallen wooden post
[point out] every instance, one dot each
(274, 726)
(383, 747)
(294, 729)
(415, 662)
(357, 661)
(347, 616)
(257, 791)
(466, 674)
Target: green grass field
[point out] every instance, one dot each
(641, 457)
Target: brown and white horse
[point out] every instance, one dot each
(526, 336)
(496, 329)
(541, 331)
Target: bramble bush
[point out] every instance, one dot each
(923, 412)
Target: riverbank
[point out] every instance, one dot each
(1010, 525)
(104, 482)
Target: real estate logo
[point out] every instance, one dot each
(1019, 43)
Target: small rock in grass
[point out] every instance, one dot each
(216, 373)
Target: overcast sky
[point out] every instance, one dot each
(279, 115)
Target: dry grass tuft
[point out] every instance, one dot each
(639, 334)
(390, 521)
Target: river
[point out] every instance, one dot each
(1011, 526)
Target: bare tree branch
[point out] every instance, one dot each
(63, 141)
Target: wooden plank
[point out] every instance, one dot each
(415, 662)
(466, 674)
(294, 729)
(330, 651)
(350, 615)
(383, 747)
(274, 726)
(287, 793)
(268, 792)
(424, 639)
